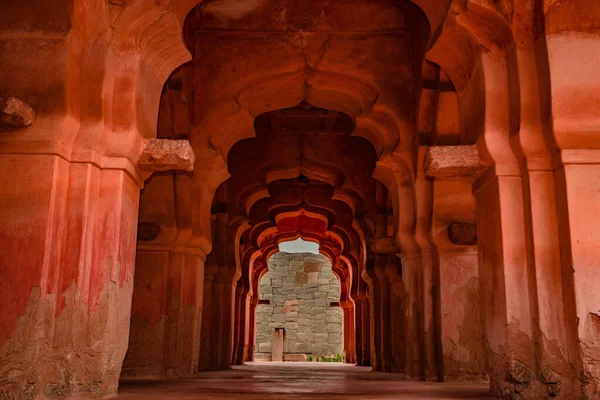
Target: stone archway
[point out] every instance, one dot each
(499, 76)
(300, 296)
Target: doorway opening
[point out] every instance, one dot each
(298, 317)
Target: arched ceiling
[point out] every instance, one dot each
(300, 109)
(303, 175)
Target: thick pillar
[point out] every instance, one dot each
(252, 328)
(505, 282)
(147, 341)
(277, 344)
(224, 291)
(258, 271)
(397, 314)
(238, 337)
(365, 322)
(384, 319)
(357, 315)
(455, 235)
(166, 314)
(247, 327)
(220, 280)
(579, 207)
(572, 36)
(374, 295)
(208, 339)
(555, 369)
(349, 329)
(412, 277)
(244, 296)
(422, 280)
(67, 257)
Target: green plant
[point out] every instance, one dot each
(333, 358)
(309, 358)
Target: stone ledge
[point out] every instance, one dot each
(167, 155)
(452, 161)
(383, 245)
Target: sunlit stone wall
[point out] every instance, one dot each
(300, 288)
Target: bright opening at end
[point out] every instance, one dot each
(299, 246)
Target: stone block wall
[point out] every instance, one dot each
(300, 288)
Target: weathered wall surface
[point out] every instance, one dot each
(300, 288)
(461, 329)
(166, 313)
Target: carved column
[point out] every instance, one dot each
(505, 280)
(208, 342)
(374, 295)
(383, 319)
(67, 251)
(573, 38)
(348, 313)
(397, 314)
(238, 337)
(454, 233)
(166, 313)
(578, 200)
(365, 322)
(222, 277)
(358, 333)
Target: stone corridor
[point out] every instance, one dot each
(443, 155)
(300, 381)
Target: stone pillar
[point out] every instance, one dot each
(397, 314)
(454, 233)
(244, 296)
(357, 321)
(220, 285)
(555, 367)
(247, 345)
(184, 314)
(238, 337)
(224, 301)
(505, 282)
(349, 329)
(420, 274)
(365, 323)
(579, 210)
(166, 314)
(147, 332)
(572, 36)
(243, 308)
(384, 319)
(412, 277)
(374, 295)
(252, 328)
(67, 251)
(258, 271)
(277, 344)
(208, 339)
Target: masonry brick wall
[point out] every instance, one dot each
(300, 288)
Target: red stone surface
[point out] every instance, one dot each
(167, 155)
(307, 119)
(14, 114)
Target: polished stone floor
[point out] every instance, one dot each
(299, 381)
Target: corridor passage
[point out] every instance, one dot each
(300, 381)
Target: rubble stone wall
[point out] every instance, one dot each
(300, 288)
